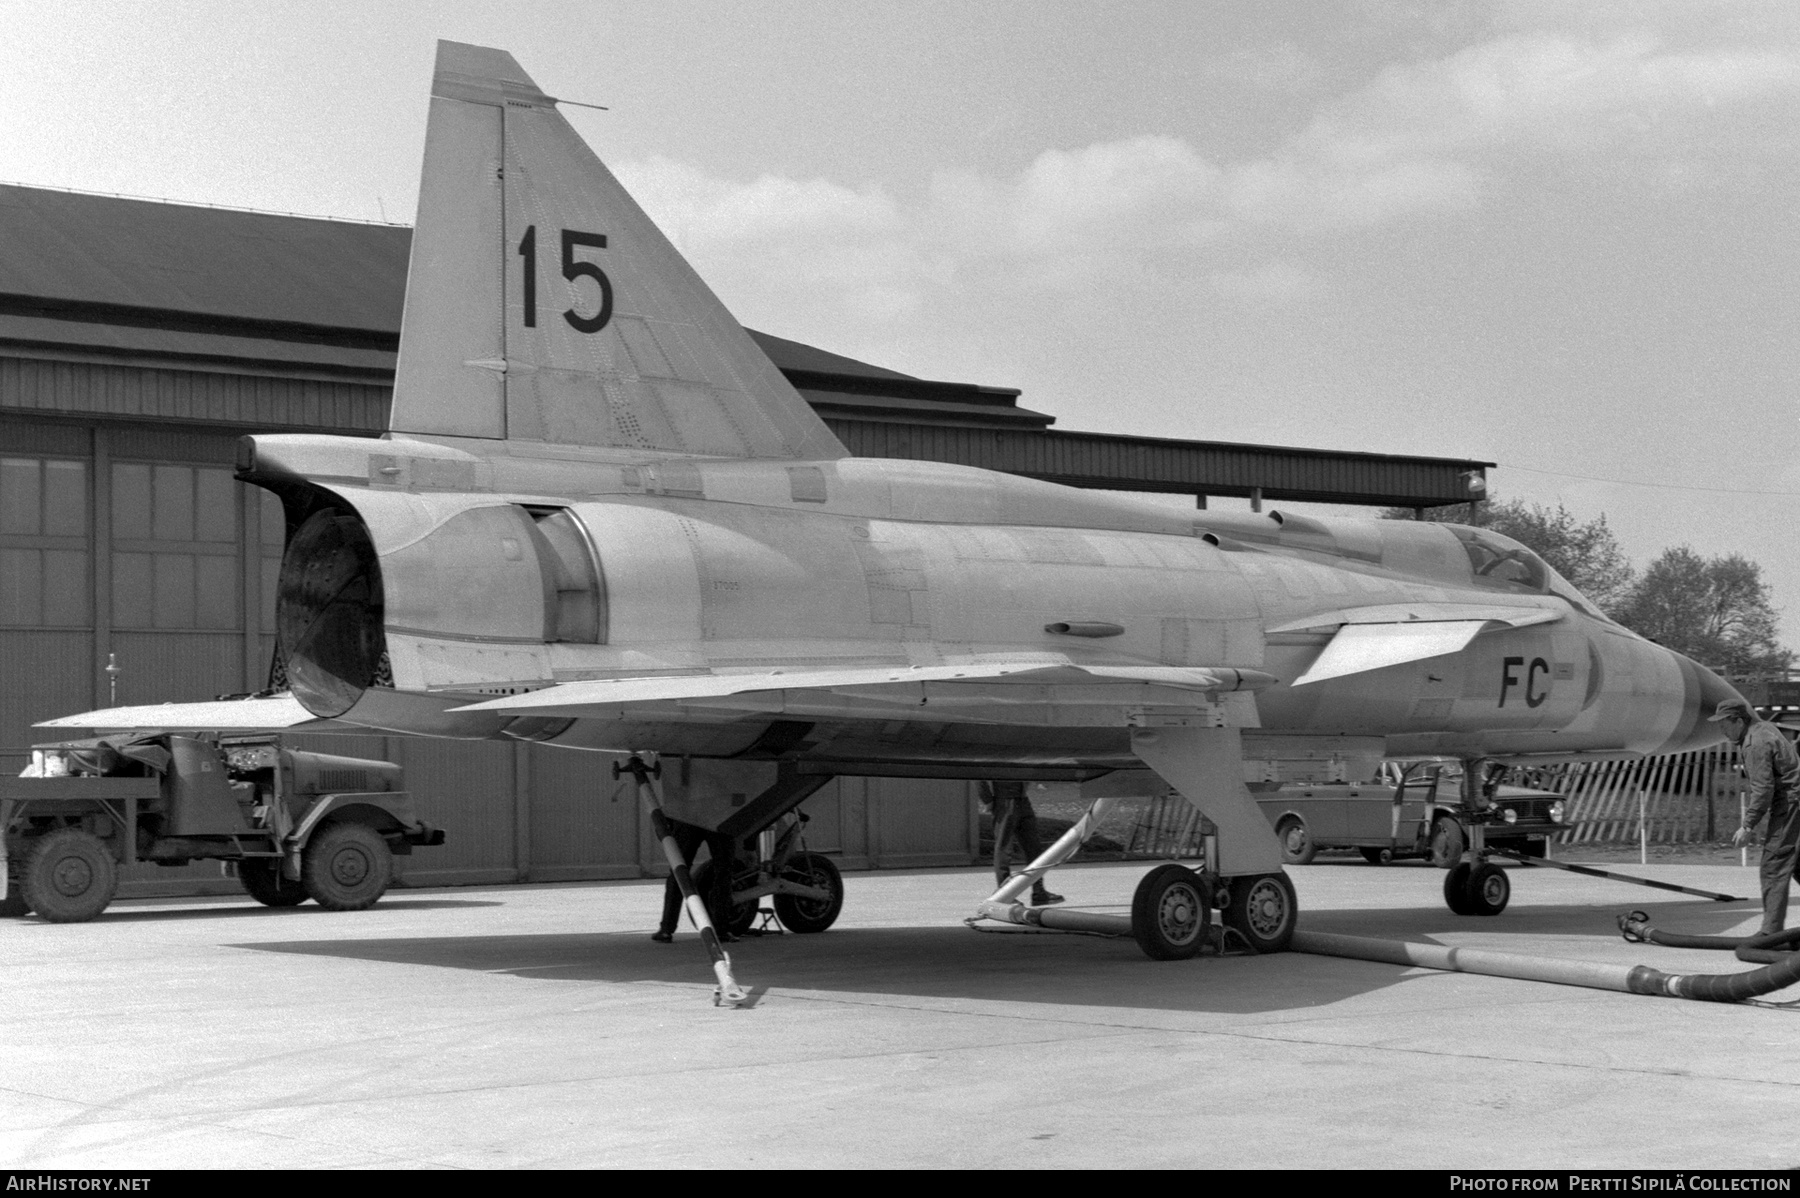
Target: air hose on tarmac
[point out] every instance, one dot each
(1774, 950)
(1628, 979)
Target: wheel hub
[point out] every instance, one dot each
(1266, 908)
(72, 877)
(349, 867)
(1179, 914)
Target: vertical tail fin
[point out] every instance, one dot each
(542, 304)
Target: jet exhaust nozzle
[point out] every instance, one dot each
(329, 612)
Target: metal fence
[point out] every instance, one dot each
(1686, 798)
(1679, 798)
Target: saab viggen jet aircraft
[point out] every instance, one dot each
(602, 519)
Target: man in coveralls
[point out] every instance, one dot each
(1772, 775)
(1015, 820)
(716, 896)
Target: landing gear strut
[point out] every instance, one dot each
(1475, 885)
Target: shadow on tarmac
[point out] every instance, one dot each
(933, 963)
(1005, 966)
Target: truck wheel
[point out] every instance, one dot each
(70, 876)
(1297, 846)
(263, 882)
(1263, 910)
(1377, 856)
(742, 916)
(1169, 916)
(810, 915)
(1446, 842)
(14, 904)
(346, 867)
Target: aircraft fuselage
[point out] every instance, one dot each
(500, 572)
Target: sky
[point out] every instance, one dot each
(1552, 234)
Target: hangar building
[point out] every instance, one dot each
(140, 339)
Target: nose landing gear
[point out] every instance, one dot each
(1481, 889)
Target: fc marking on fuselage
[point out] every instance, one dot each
(1509, 678)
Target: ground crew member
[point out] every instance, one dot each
(1772, 776)
(716, 896)
(1016, 820)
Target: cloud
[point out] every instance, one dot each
(1273, 282)
(811, 243)
(1537, 90)
(1122, 218)
(1277, 66)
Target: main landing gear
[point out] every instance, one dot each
(1170, 913)
(1172, 910)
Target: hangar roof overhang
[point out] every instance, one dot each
(177, 287)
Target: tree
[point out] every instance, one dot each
(1718, 611)
(1587, 554)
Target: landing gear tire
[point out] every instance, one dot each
(1297, 846)
(805, 914)
(1263, 910)
(1447, 842)
(262, 880)
(1377, 856)
(1169, 916)
(1456, 889)
(346, 867)
(742, 916)
(1488, 890)
(70, 876)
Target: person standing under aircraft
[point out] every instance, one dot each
(717, 896)
(1015, 820)
(1772, 775)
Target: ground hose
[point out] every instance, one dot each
(1773, 950)
(1596, 975)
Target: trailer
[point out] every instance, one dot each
(292, 825)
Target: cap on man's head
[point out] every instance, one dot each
(1732, 709)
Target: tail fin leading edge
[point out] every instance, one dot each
(542, 304)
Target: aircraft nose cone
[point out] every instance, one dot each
(1703, 692)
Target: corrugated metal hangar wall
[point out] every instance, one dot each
(139, 340)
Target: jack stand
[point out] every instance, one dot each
(727, 991)
(1004, 903)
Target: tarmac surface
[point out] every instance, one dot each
(539, 1026)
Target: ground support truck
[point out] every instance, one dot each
(1412, 809)
(293, 825)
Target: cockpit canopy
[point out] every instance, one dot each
(1500, 563)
